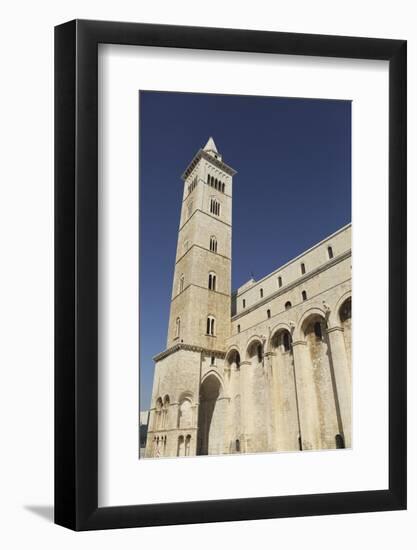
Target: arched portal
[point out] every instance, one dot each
(210, 417)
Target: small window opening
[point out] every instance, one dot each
(304, 295)
(330, 252)
(317, 330)
(303, 269)
(268, 313)
(340, 442)
(279, 282)
(287, 305)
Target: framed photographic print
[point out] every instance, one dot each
(230, 275)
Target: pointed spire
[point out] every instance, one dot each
(210, 146)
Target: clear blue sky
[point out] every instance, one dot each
(293, 187)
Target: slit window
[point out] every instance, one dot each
(303, 269)
(330, 252)
(238, 329)
(304, 295)
(261, 292)
(243, 304)
(279, 282)
(268, 313)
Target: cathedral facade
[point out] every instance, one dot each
(266, 368)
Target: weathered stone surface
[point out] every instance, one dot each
(272, 377)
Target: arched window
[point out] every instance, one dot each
(237, 445)
(243, 304)
(181, 285)
(210, 325)
(286, 341)
(187, 445)
(330, 252)
(223, 187)
(279, 282)
(213, 360)
(303, 269)
(177, 327)
(317, 330)
(214, 207)
(212, 281)
(165, 411)
(304, 295)
(185, 413)
(340, 442)
(268, 313)
(213, 244)
(208, 179)
(287, 305)
(238, 329)
(261, 292)
(216, 184)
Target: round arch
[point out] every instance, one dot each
(311, 312)
(334, 319)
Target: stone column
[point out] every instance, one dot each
(306, 394)
(246, 403)
(270, 418)
(343, 380)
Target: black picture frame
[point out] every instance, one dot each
(76, 273)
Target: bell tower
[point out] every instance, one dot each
(201, 292)
(200, 312)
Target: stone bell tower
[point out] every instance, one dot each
(200, 311)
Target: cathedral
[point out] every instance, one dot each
(265, 368)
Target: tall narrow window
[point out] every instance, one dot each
(213, 244)
(187, 445)
(181, 287)
(177, 327)
(279, 282)
(212, 281)
(237, 445)
(223, 187)
(190, 208)
(330, 252)
(208, 179)
(214, 207)
(261, 292)
(268, 313)
(210, 325)
(287, 305)
(303, 269)
(238, 329)
(304, 295)
(243, 304)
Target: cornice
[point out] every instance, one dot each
(189, 347)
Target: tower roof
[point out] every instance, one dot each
(210, 145)
(211, 154)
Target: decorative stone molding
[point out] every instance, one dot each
(334, 329)
(299, 343)
(189, 347)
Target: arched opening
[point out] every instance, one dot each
(330, 252)
(255, 351)
(185, 413)
(325, 410)
(304, 295)
(233, 359)
(180, 448)
(268, 313)
(288, 305)
(261, 292)
(279, 282)
(345, 316)
(340, 442)
(213, 244)
(210, 325)
(187, 445)
(281, 341)
(237, 445)
(165, 412)
(303, 269)
(209, 419)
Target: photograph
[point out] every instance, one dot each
(245, 341)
